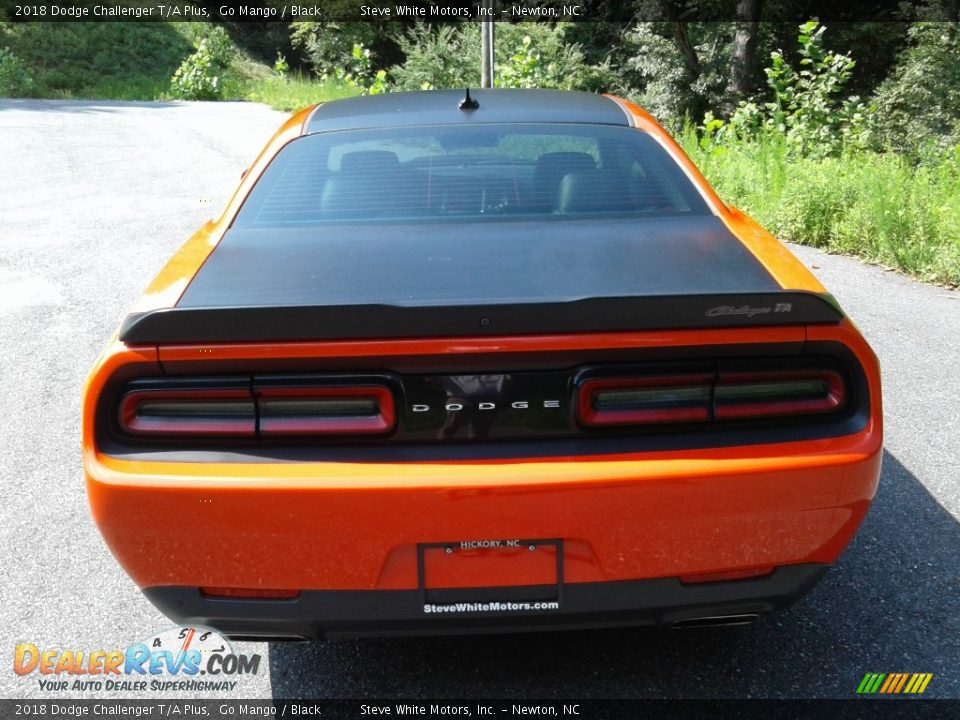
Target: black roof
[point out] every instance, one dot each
(441, 107)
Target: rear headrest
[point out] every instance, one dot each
(550, 170)
(369, 161)
(566, 161)
(593, 191)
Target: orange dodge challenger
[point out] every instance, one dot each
(460, 362)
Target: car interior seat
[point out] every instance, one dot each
(365, 183)
(593, 191)
(549, 172)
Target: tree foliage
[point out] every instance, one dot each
(527, 55)
(15, 79)
(327, 46)
(200, 75)
(711, 68)
(919, 103)
(664, 81)
(447, 56)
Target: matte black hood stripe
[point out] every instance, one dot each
(613, 314)
(430, 264)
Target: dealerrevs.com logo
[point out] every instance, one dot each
(189, 659)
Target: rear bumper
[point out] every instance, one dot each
(318, 613)
(346, 527)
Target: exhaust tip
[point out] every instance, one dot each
(709, 621)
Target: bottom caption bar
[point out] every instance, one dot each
(912, 709)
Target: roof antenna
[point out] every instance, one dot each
(468, 103)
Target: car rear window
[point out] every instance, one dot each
(470, 173)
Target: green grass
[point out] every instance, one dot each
(877, 206)
(135, 61)
(109, 60)
(293, 92)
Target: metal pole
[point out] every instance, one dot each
(491, 57)
(486, 48)
(485, 79)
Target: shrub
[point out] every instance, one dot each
(15, 80)
(807, 108)
(361, 78)
(200, 75)
(447, 56)
(537, 55)
(328, 46)
(806, 104)
(280, 66)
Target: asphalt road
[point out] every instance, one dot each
(94, 197)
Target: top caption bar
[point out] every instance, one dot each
(618, 11)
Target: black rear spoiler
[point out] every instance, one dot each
(366, 322)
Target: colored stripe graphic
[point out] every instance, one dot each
(922, 682)
(870, 683)
(890, 681)
(894, 683)
(902, 682)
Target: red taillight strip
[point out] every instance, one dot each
(825, 392)
(273, 411)
(833, 397)
(250, 593)
(697, 410)
(280, 416)
(237, 416)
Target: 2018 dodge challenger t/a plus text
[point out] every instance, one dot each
(463, 362)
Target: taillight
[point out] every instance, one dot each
(189, 411)
(325, 410)
(231, 408)
(765, 394)
(634, 401)
(692, 398)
